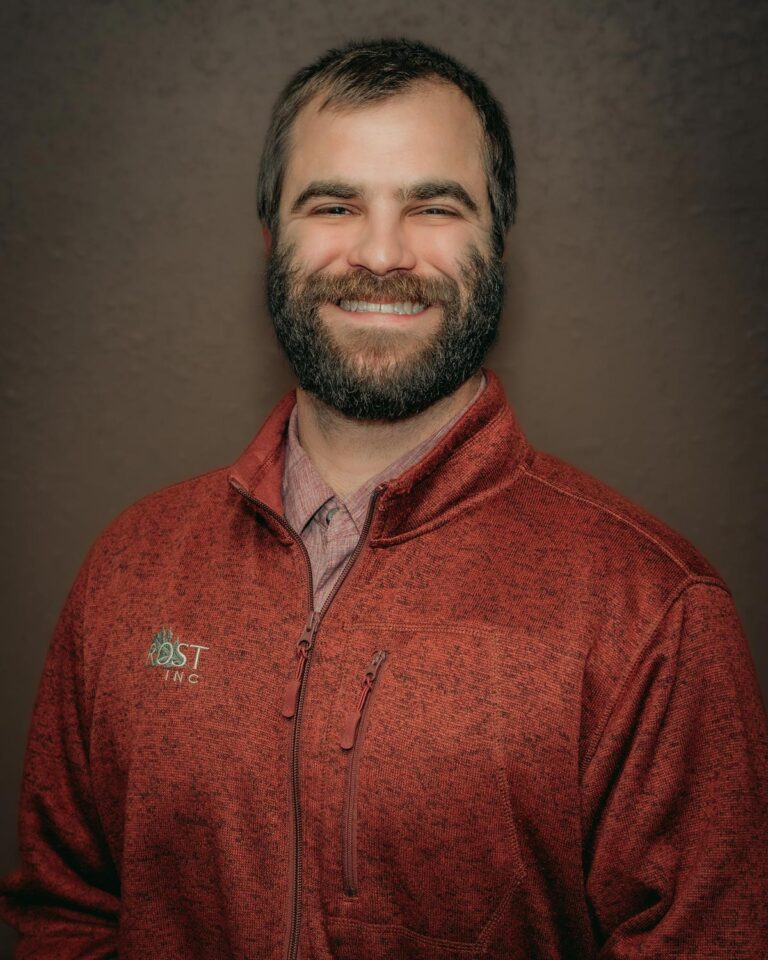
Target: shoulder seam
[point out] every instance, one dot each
(683, 587)
(160, 491)
(192, 479)
(617, 516)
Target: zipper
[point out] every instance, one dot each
(303, 649)
(351, 741)
(293, 697)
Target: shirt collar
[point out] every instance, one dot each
(481, 453)
(305, 492)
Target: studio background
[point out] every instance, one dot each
(136, 349)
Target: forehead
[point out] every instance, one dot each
(429, 131)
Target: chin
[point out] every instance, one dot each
(383, 353)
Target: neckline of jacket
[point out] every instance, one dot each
(478, 455)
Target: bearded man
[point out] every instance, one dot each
(395, 684)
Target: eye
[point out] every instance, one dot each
(438, 211)
(337, 210)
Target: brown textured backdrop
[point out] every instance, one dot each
(135, 348)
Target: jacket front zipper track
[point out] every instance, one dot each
(293, 699)
(351, 739)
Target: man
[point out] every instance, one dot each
(396, 684)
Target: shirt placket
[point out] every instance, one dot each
(337, 534)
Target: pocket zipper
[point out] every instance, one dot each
(351, 742)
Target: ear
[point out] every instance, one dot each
(267, 235)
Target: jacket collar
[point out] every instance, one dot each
(479, 455)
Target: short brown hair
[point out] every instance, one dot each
(365, 71)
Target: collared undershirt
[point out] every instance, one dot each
(330, 527)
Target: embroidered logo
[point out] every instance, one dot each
(171, 654)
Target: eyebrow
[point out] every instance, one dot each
(433, 189)
(422, 190)
(327, 188)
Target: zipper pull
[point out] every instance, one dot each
(349, 733)
(303, 646)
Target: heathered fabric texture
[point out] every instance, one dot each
(330, 527)
(564, 753)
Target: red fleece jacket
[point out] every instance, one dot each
(525, 726)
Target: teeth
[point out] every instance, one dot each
(365, 306)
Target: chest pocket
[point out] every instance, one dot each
(420, 839)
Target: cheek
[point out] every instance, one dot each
(319, 249)
(443, 250)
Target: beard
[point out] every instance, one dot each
(375, 373)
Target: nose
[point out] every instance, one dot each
(381, 246)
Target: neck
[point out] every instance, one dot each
(346, 452)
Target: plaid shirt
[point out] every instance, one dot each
(330, 527)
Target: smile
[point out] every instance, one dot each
(367, 306)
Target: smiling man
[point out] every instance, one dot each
(395, 685)
(384, 284)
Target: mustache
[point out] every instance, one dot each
(362, 285)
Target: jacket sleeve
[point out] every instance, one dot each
(63, 899)
(676, 795)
